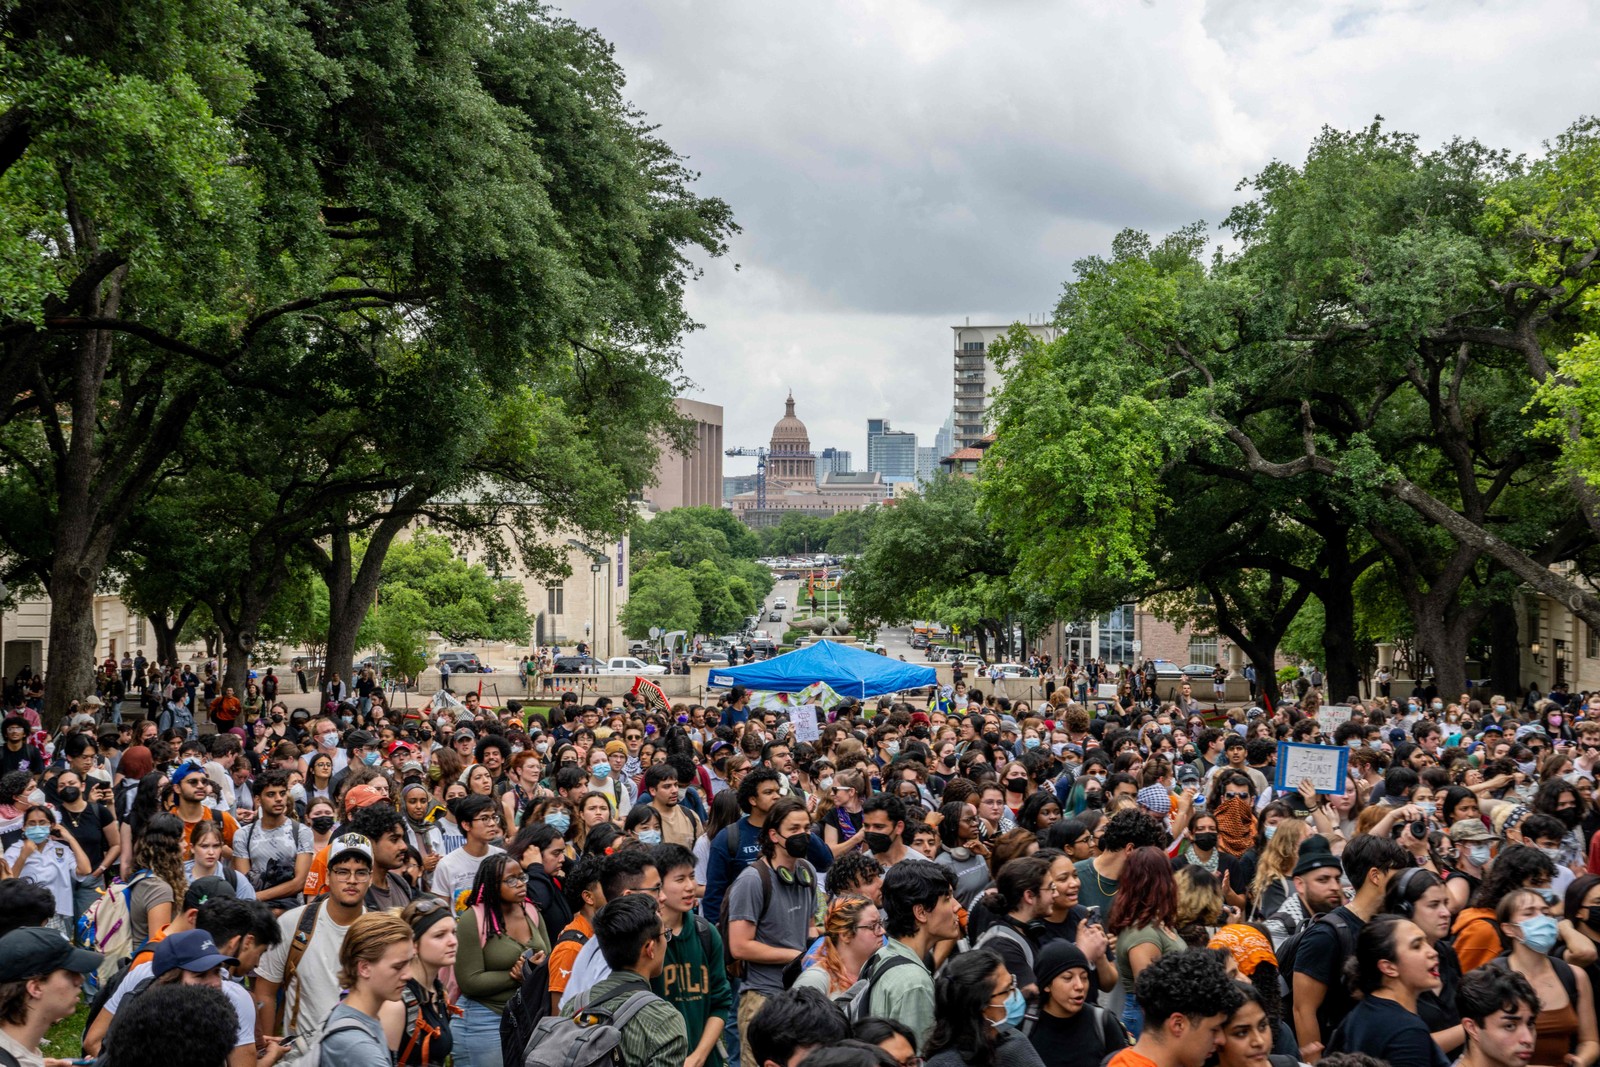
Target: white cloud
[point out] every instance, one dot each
(899, 165)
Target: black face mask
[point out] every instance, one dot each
(879, 843)
(1094, 800)
(69, 793)
(322, 823)
(1205, 842)
(1569, 816)
(1591, 918)
(1016, 785)
(797, 845)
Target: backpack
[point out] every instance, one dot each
(1113, 1037)
(313, 1053)
(303, 931)
(107, 928)
(857, 1000)
(1000, 928)
(591, 1038)
(417, 1026)
(529, 1004)
(277, 871)
(1336, 997)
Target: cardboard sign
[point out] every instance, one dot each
(805, 723)
(1332, 716)
(1325, 765)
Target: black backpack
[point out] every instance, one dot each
(528, 1004)
(1336, 1004)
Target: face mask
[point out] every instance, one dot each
(345, 720)
(796, 845)
(893, 748)
(1016, 785)
(1555, 720)
(1166, 727)
(650, 837)
(1479, 855)
(558, 821)
(1354, 742)
(330, 739)
(371, 759)
(1016, 1007)
(1499, 709)
(1553, 853)
(1427, 807)
(1031, 743)
(878, 843)
(541, 747)
(824, 783)
(37, 834)
(297, 793)
(600, 771)
(322, 823)
(69, 793)
(37, 797)
(1205, 842)
(1525, 768)
(1438, 705)
(516, 748)
(1412, 706)
(1539, 933)
(1268, 831)
(1099, 778)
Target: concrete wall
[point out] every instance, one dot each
(692, 479)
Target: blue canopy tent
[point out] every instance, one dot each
(850, 671)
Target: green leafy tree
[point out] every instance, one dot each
(399, 625)
(461, 601)
(660, 596)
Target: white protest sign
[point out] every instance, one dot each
(1324, 765)
(1331, 716)
(805, 723)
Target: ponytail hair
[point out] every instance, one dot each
(1019, 877)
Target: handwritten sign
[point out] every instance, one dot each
(1332, 716)
(805, 723)
(1325, 765)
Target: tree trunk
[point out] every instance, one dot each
(351, 590)
(167, 634)
(72, 637)
(1505, 656)
(1340, 664)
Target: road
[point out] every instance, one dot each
(897, 640)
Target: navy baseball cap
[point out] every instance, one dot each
(192, 950)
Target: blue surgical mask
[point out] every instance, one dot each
(1539, 933)
(558, 821)
(1017, 1007)
(650, 837)
(1166, 727)
(330, 739)
(37, 834)
(601, 771)
(1031, 743)
(370, 759)
(1479, 855)
(1427, 807)
(1268, 831)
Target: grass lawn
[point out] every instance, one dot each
(64, 1038)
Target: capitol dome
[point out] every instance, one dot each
(789, 433)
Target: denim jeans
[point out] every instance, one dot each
(475, 1036)
(1132, 1018)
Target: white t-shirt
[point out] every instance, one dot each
(243, 1006)
(316, 988)
(260, 846)
(53, 868)
(457, 870)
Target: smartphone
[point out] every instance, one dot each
(1094, 915)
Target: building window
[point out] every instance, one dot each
(1203, 650)
(1534, 625)
(1593, 650)
(972, 346)
(1116, 635)
(556, 600)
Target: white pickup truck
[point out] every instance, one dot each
(629, 665)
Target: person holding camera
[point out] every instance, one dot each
(48, 855)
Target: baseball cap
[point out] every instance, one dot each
(349, 845)
(1470, 830)
(185, 769)
(464, 734)
(362, 796)
(35, 950)
(192, 950)
(204, 890)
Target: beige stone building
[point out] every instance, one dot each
(693, 478)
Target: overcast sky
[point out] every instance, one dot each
(899, 166)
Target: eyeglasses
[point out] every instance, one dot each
(875, 928)
(644, 890)
(348, 875)
(1005, 993)
(633, 737)
(516, 879)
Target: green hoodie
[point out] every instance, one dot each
(695, 980)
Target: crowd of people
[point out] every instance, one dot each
(953, 879)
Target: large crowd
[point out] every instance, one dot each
(927, 879)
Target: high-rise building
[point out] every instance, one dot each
(691, 479)
(976, 376)
(927, 463)
(832, 461)
(892, 453)
(944, 442)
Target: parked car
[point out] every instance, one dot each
(716, 657)
(462, 662)
(576, 665)
(1009, 670)
(1198, 671)
(879, 649)
(629, 665)
(1166, 669)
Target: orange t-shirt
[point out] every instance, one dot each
(1477, 938)
(149, 952)
(1129, 1058)
(228, 823)
(564, 955)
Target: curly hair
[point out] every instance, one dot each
(1147, 893)
(159, 848)
(1010, 845)
(1515, 867)
(1199, 899)
(1279, 855)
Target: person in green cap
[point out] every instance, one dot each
(41, 977)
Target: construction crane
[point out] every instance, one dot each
(761, 455)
